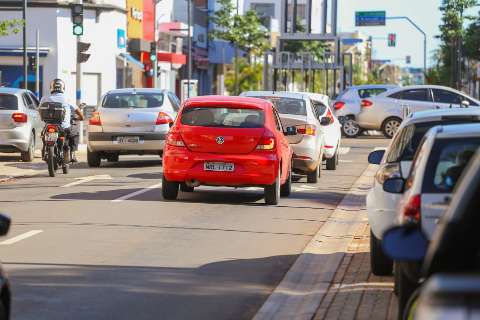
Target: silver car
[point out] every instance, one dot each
(130, 121)
(386, 111)
(20, 124)
(297, 109)
(347, 105)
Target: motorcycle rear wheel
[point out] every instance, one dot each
(51, 161)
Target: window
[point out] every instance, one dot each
(288, 105)
(444, 96)
(416, 161)
(396, 95)
(174, 101)
(416, 95)
(278, 122)
(223, 117)
(401, 141)
(371, 92)
(34, 99)
(265, 11)
(319, 108)
(133, 100)
(8, 102)
(27, 101)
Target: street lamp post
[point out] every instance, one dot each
(155, 63)
(189, 69)
(25, 58)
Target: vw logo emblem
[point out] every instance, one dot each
(220, 140)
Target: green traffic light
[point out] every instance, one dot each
(77, 30)
(153, 57)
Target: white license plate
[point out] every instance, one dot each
(51, 137)
(128, 140)
(218, 166)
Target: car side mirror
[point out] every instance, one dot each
(375, 157)
(325, 121)
(4, 224)
(290, 131)
(394, 185)
(465, 103)
(405, 243)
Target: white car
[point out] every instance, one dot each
(396, 162)
(385, 111)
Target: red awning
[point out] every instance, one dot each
(174, 58)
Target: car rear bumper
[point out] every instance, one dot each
(14, 140)
(306, 155)
(106, 141)
(254, 169)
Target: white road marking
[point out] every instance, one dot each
(87, 179)
(136, 193)
(344, 150)
(20, 237)
(345, 161)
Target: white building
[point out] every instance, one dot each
(104, 28)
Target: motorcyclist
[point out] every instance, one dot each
(57, 94)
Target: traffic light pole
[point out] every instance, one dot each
(155, 63)
(25, 58)
(37, 65)
(78, 82)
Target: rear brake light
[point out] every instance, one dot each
(330, 115)
(175, 139)
(328, 147)
(366, 103)
(338, 105)
(308, 129)
(411, 210)
(51, 128)
(266, 143)
(95, 119)
(19, 117)
(163, 118)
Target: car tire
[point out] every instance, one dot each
(381, 264)
(312, 177)
(169, 189)
(51, 161)
(93, 159)
(351, 129)
(185, 188)
(272, 192)
(113, 157)
(27, 156)
(286, 188)
(405, 290)
(390, 126)
(332, 162)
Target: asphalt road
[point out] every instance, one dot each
(109, 247)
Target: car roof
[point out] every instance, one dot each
(315, 96)
(466, 130)
(440, 114)
(219, 101)
(373, 86)
(284, 94)
(11, 90)
(137, 90)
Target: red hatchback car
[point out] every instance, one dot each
(228, 141)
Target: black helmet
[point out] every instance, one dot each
(57, 86)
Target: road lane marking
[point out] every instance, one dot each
(345, 161)
(138, 192)
(344, 150)
(87, 179)
(20, 237)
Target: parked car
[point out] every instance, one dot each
(438, 164)
(396, 162)
(347, 105)
(5, 291)
(386, 111)
(130, 121)
(450, 266)
(20, 124)
(228, 141)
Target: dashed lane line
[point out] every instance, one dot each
(20, 237)
(344, 150)
(87, 179)
(138, 192)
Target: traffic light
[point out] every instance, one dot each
(77, 19)
(392, 39)
(82, 55)
(32, 63)
(153, 51)
(408, 59)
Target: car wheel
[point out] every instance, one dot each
(169, 189)
(332, 162)
(381, 264)
(390, 127)
(27, 156)
(51, 161)
(405, 290)
(113, 157)
(93, 159)
(312, 177)
(185, 188)
(286, 188)
(272, 192)
(351, 129)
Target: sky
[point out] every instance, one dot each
(425, 13)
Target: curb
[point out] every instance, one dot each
(303, 288)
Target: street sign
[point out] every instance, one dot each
(370, 18)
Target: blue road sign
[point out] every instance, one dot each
(370, 18)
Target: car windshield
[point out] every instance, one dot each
(225, 117)
(8, 102)
(446, 163)
(288, 105)
(133, 100)
(370, 92)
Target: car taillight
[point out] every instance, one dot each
(266, 143)
(175, 139)
(51, 128)
(366, 103)
(163, 118)
(308, 129)
(19, 117)
(338, 105)
(411, 210)
(95, 119)
(330, 116)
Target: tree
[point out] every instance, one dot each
(471, 42)
(250, 75)
(316, 48)
(10, 26)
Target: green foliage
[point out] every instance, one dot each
(249, 77)
(244, 31)
(317, 48)
(471, 43)
(10, 26)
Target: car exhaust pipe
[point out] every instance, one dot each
(192, 183)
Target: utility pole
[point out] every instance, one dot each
(37, 65)
(78, 80)
(189, 70)
(155, 63)
(237, 85)
(25, 58)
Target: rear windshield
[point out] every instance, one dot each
(446, 163)
(133, 100)
(8, 102)
(370, 92)
(223, 117)
(288, 105)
